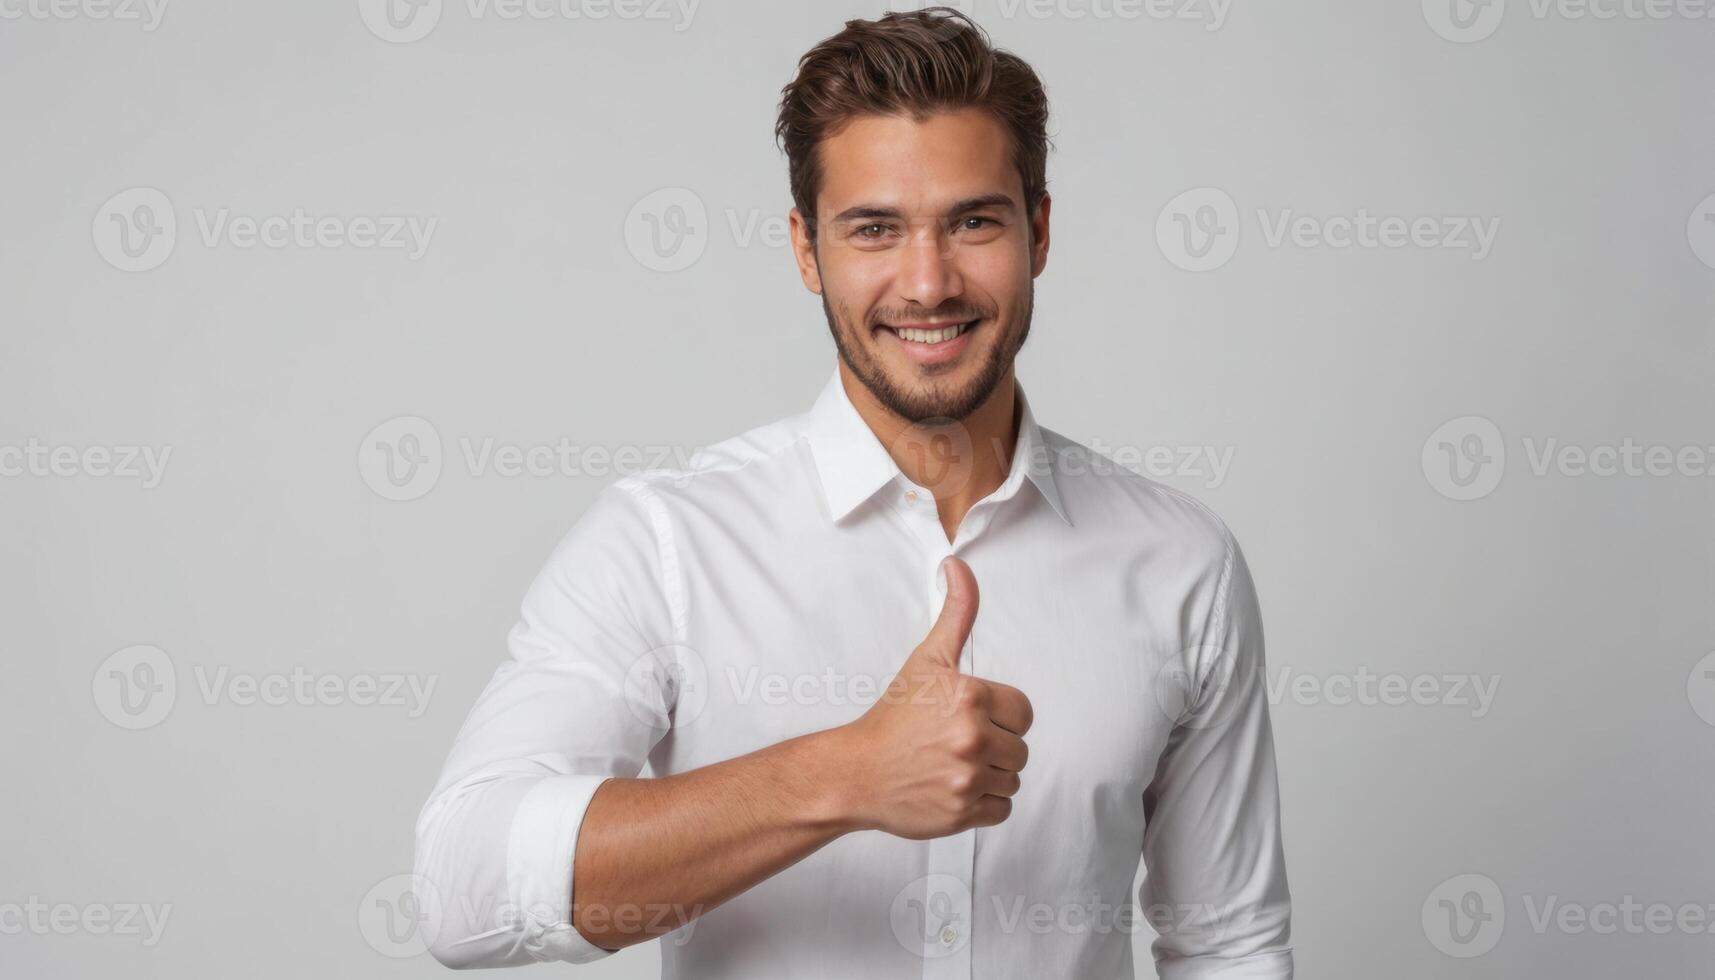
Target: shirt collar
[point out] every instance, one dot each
(853, 464)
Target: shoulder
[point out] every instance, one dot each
(642, 506)
(755, 455)
(1117, 498)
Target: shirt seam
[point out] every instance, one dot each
(1223, 583)
(671, 581)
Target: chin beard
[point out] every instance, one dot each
(933, 402)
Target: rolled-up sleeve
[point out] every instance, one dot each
(1215, 883)
(583, 696)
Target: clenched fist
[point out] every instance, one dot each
(940, 751)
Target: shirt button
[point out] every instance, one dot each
(910, 496)
(949, 935)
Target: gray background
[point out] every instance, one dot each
(276, 832)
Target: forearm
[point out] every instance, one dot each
(655, 853)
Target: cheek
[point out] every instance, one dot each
(855, 286)
(997, 260)
(994, 277)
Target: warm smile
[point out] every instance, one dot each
(931, 343)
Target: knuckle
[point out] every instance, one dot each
(971, 693)
(967, 742)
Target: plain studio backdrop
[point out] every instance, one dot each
(324, 321)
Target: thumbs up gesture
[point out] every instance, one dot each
(940, 751)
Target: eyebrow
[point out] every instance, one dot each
(963, 206)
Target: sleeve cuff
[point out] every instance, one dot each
(539, 860)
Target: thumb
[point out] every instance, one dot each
(958, 612)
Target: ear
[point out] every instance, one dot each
(804, 252)
(1039, 236)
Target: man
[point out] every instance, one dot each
(863, 763)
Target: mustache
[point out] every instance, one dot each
(954, 314)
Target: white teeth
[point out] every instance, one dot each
(930, 336)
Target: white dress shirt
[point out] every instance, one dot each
(769, 590)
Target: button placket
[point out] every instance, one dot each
(947, 953)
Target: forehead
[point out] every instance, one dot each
(916, 165)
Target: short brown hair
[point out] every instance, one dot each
(909, 62)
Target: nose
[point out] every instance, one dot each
(929, 270)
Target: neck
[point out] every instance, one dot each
(959, 462)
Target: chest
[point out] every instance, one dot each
(809, 639)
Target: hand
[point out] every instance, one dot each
(940, 751)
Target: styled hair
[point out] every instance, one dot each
(914, 63)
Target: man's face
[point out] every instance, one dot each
(924, 259)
